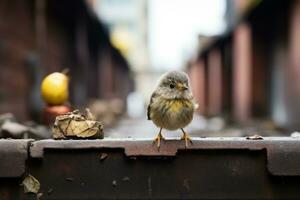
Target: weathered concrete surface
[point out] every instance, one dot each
(283, 153)
(13, 155)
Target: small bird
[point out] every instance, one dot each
(172, 105)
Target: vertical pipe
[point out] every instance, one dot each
(292, 70)
(214, 82)
(242, 56)
(197, 77)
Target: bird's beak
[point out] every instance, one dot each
(181, 87)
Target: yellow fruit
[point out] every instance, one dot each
(54, 88)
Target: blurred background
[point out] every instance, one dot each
(242, 58)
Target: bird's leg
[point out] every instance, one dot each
(186, 138)
(158, 138)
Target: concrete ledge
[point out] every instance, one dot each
(283, 153)
(13, 155)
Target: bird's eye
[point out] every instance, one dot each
(172, 85)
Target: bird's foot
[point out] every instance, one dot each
(158, 138)
(186, 138)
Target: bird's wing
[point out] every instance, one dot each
(149, 106)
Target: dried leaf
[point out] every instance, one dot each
(254, 137)
(89, 115)
(76, 124)
(31, 184)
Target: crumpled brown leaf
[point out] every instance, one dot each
(76, 124)
(31, 184)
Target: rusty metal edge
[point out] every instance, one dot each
(278, 148)
(283, 153)
(145, 147)
(13, 156)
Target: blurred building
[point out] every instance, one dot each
(127, 22)
(42, 36)
(253, 70)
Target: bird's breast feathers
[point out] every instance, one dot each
(171, 113)
(172, 105)
(177, 105)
